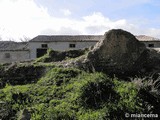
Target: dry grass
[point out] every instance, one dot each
(149, 84)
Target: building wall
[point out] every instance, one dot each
(14, 56)
(59, 46)
(23, 55)
(152, 44)
(155, 43)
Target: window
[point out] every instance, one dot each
(72, 45)
(150, 45)
(44, 45)
(7, 55)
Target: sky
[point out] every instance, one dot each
(21, 19)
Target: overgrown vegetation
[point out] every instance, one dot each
(70, 94)
(53, 56)
(149, 90)
(41, 90)
(20, 74)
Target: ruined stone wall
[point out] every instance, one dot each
(14, 56)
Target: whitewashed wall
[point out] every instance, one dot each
(156, 43)
(14, 56)
(59, 46)
(23, 55)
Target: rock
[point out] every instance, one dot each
(120, 53)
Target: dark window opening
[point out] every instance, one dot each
(7, 55)
(150, 45)
(44, 45)
(72, 45)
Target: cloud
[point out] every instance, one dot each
(24, 18)
(66, 12)
(97, 23)
(152, 32)
(61, 31)
(20, 17)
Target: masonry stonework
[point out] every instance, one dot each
(13, 56)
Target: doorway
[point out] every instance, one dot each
(41, 52)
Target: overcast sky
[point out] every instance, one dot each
(30, 18)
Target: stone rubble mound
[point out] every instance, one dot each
(120, 53)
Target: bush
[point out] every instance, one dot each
(21, 74)
(57, 76)
(96, 93)
(69, 93)
(53, 56)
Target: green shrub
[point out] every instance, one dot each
(69, 93)
(54, 56)
(92, 115)
(129, 95)
(57, 76)
(98, 91)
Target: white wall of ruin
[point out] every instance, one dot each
(59, 46)
(14, 56)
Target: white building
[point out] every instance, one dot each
(150, 42)
(13, 51)
(39, 45)
(21, 51)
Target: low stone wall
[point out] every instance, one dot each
(20, 74)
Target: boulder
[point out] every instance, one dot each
(120, 53)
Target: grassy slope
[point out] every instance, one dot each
(69, 93)
(49, 92)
